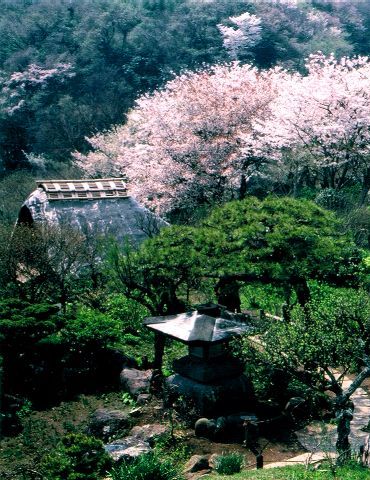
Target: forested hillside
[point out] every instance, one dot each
(73, 68)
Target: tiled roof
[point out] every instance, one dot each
(83, 189)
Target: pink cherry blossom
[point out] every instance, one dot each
(182, 145)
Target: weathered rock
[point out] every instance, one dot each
(213, 460)
(205, 427)
(127, 448)
(214, 399)
(196, 464)
(136, 381)
(143, 398)
(135, 412)
(197, 475)
(106, 423)
(149, 433)
(229, 427)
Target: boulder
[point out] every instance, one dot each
(136, 381)
(213, 460)
(149, 433)
(105, 423)
(143, 398)
(228, 427)
(205, 427)
(210, 400)
(197, 463)
(135, 412)
(127, 448)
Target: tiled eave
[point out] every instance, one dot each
(84, 189)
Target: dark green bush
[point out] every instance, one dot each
(89, 327)
(129, 313)
(77, 457)
(147, 467)
(228, 464)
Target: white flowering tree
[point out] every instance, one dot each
(20, 86)
(245, 34)
(321, 123)
(182, 146)
(26, 97)
(198, 141)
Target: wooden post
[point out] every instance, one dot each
(365, 453)
(159, 342)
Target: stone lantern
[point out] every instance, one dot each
(209, 374)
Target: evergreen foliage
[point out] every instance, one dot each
(147, 467)
(282, 241)
(77, 457)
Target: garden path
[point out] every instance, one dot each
(319, 438)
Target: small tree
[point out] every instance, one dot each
(155, 274)
(246, 34)
(319, 345)
(42, 262)
(23, 327)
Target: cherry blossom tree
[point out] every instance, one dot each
(200, 139)
(183, 146)
(246, 34)
(18, 88)
(26, 97)
(319, 123)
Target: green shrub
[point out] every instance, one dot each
(339, 200)
(266, 297)
(128, 312)
(77, 457)
(228, 464)
(89, 327)
(147, 467)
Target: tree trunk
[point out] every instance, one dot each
(170, 304)
(227, 292)
(365, 453)
(63, 297)
(344, 408)
(159, 344)
(302, 290)
(344, 417)
(243, 187)
(1, 397)
(365, 187)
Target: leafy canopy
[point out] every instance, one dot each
(278, 240)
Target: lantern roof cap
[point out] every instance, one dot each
(198, 327)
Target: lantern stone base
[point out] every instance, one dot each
(208, 371)
(221, 398)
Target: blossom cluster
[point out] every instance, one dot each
(16, 88)
(246, 34)
(196, 140)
